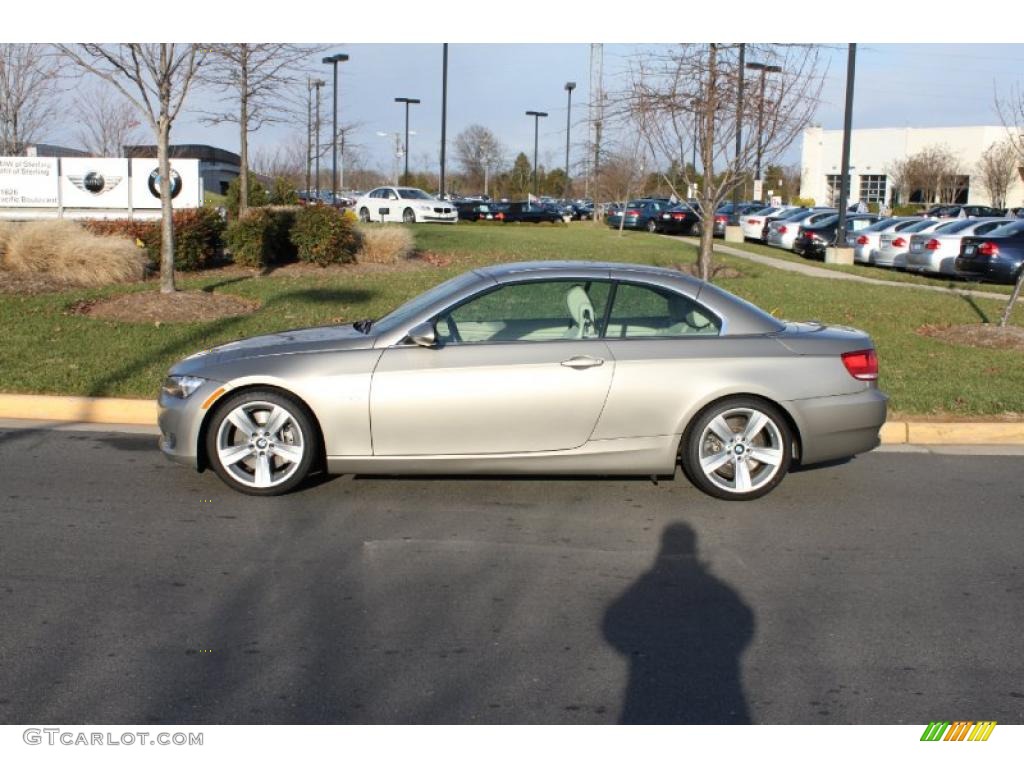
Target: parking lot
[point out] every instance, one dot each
(882, 590)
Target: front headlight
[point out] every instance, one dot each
(182, 386)
(424, 207)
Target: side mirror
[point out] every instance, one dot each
(424, 335)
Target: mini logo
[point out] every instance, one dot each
(154, 183)
(959, 730)
(95, 183)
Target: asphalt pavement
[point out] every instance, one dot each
(887, 589)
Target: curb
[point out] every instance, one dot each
(118, 410)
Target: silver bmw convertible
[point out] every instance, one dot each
(533, 368)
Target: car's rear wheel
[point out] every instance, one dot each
(261, 442)
(738, 449)
(409, 216)
(652, 225)
(697, 229)
(364, 214)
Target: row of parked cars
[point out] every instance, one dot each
(974, 242)
(477, 209)
(661, 214)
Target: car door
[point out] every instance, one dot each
(518, 368)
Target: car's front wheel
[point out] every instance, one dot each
(261, 442)
(409, 216)
(738, 449)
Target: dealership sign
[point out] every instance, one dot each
(81, 183)
(28, 182)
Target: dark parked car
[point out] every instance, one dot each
(997, 257)
(678, 220)
(812, 241)
(639, 214)
(582, 211)
(474, 210)
(734, 210)
(532, 213)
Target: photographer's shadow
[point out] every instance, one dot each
(683, 632)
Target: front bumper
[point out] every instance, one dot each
(180, 422)
(840, 426)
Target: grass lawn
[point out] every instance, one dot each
(47, 349)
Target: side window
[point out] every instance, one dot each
(645, 312)
(391, 194)
(532, 311)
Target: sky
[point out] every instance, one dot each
(494, 84)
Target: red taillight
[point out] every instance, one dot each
(862, 364)
(862, 240)
(632, 213)
(678, 216)
(499, 216)
(933, 245)
(783, 230)
(721, 219)
(988, 249)
(753, 221)
(898, 242)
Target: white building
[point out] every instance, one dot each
(873, 150)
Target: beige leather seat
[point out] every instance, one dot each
(582, 313)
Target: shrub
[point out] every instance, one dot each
(283, 192)
(198, 236)
(804, 202)
(7, 230)
(257, 194)
(66, 250)
(324, 236)
(910, 209)
(383, 244)
(260, 237)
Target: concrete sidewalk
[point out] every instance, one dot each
(834, 274)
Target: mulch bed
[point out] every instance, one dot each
(155, 307)
(979, 335)
(719, 272)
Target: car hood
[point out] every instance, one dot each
(320, 339)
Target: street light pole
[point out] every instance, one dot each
(764, 70)
(318, 84)
(536, 136)
(844, 177)
(309, 133)
(407, 102)
(444, 113)
(568, 126)
(333, 61)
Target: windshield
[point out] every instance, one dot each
(410, 193)
(392, 320)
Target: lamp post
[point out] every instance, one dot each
(764, 69)
(333, 61)
(568, 125)
(407, 102)
(444, 115)
(309, 133)
(536, 136)
(844, 173)
(318, 84)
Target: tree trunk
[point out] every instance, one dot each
(243, 138)
(707, 159)
(1005, 319)
(166, 211)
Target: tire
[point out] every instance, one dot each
(652, 226)
(364, 214)
(716, 445)
(276, 459)
(697, 229)
(408, 216)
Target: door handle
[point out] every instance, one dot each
(582, 361)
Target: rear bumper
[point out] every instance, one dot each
(996, 270)
(840, 426)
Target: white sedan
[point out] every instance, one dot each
(405, 204)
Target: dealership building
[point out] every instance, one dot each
(873, 152)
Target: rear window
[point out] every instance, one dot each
(1013, 228)
(955, 226)
(920, 226)
(878, 226)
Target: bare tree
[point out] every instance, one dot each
(479, 153)
(156, 79)
(899, 173)
(690, 92)
(259, 78)
(28, 94)
(106, 122)
(1011, 113)
(997, 170)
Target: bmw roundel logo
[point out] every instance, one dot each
(154, 183)
(94, 182)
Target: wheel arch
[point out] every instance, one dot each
(700, 409)
(203, 459)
